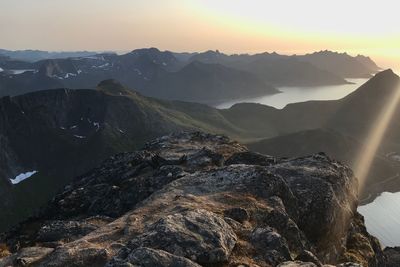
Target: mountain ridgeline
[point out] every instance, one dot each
(196, 199)
(210, 77)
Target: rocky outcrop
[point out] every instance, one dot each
(194, 199)
(393, 256)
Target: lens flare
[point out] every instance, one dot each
(375, 138)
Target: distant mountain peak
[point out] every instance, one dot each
(146, 50)
(389, 73)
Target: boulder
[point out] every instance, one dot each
(147, 257)
(26, 256)
(198, 235)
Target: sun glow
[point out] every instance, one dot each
(375, 137)
(232, 26)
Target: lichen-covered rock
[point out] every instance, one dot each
(64, 230)
(361, 247)
(251, 158)
(200, 199)
(78, 256)
(349, 264)
(198, 235)
(297, 264)
(147, 257)
(26, 257)
(266, 239)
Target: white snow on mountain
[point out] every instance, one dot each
(22, 176)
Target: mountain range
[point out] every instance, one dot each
(36, 55)
(210, 77)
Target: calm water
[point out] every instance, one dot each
(301, 94)
(382, 218)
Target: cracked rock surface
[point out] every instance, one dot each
(195, 199)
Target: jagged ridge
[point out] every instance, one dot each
(193, 199)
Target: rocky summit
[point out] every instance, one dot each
(195, 199)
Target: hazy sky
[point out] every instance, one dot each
(368, 27)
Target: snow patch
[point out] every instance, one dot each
(104, 65)
(17, 72)
(57, 77)
(393, 156)
(79, 136)
(1, 70)
(22, 176)
(69, 75)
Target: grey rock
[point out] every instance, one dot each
(268, 239)
(176, 200)
(308, 256)
(198, 235)
(297, 264)
(26, 256)
(238, 214)
(147, 257)
(349, 264)
(251, 158)
(76, 256)
(64, 230)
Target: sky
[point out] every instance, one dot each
(231, 26)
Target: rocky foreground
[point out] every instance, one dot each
(194, 199)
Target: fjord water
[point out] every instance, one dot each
(382, 218)
(300, 94)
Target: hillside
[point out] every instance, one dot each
(207, 83)
(63, 133)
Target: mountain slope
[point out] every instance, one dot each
(62, 133)
(207, 83)
(195, 199)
